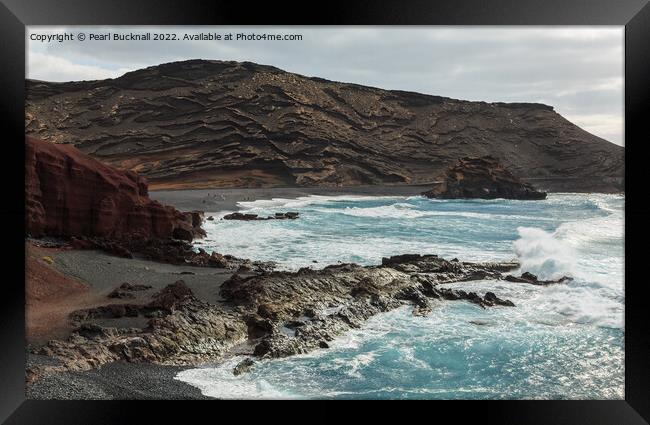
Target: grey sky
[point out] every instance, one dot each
(578, 70)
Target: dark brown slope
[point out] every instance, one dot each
(210, 123)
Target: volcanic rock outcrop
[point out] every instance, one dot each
(484, 178)
(528, 277)
(275, 314)
(69, 194)
(255, 217)
(201, 123)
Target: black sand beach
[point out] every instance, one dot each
(114, 381)
(122, 380)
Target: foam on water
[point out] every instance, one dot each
(543, 254)
(560, 341)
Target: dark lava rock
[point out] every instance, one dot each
(255, 217)
(484, 178)
(242, 216)
(244, 366)
(280, 313)
(527, 277)
(490, 297)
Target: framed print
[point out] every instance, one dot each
(387, 201)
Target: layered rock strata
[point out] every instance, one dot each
(204, 124)
(69, 194)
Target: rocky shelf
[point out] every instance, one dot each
(272, 313)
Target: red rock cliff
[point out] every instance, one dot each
(71, 194)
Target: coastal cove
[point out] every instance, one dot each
(459, 350)
(435, 214)
(558, 341)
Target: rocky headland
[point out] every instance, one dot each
(207, 124)
(482, 178)
(263, 315)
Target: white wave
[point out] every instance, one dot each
(404, 210)
(358, 363)
(398, 210)
(220, 382)
(304, 201)
(593, 230)
(543, 254)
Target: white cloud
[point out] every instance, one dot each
(606, 126)
(48, 67)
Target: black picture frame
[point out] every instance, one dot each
(634, 14)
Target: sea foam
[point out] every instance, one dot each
(543, 254)
(560, 341)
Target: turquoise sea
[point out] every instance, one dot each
(559, 342)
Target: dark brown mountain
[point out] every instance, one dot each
(198, 124)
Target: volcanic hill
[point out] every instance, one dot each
(201, 124)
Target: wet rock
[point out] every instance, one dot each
(401, 259)
(258, 327)
(254, 217)
(530, 278)
(481, 177)
(491, 298)
(340, 297)
(243, 367)
(242, 216)
(277, 313)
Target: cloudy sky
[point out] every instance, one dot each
(578, 70)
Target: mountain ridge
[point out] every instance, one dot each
(198, 124)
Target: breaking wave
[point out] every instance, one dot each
(543, 254)
(560, 341)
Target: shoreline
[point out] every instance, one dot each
(114, 381)
(226, 199)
